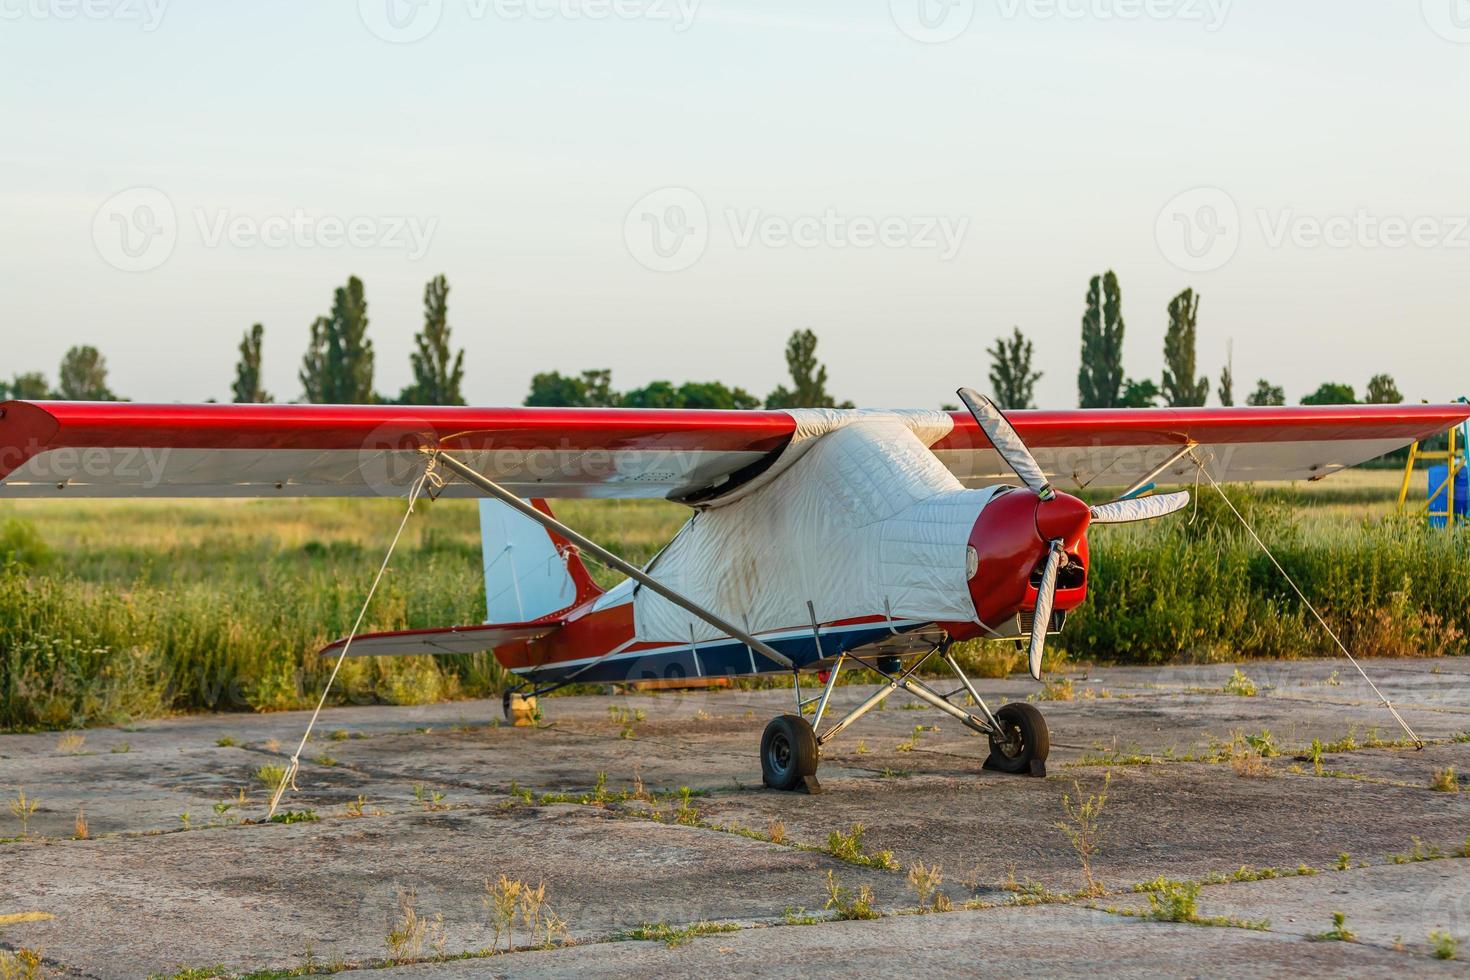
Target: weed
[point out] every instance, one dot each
(1083, 829)
(1174, 901)
(925, 882)
(1339, 932)
(776, 831)
(1419, 852)
(184, 819)
(325, 760)
(1344, 861)
(225, 742)
(511, 900)
(1240, 685)
(1445, 781)
(801, 917)
(673, 936)
(1445, 945)
(295, 816)
(1061, 690)
(358, 808)
(71, 743)
(79, 828)
(24, 808)
(431, 799)
(685, 812)
(849, 847)
(913, 739)
(338, 735)
(862, 747)
(271, 776)
(121, 748)
(848, 904)
(23, 964)
(408, 933)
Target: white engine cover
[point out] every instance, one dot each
(861, 513)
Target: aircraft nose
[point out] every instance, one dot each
(1063, 518)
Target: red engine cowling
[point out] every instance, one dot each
(1009, 544)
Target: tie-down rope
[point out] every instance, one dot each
(1418, 742)
(289, 779)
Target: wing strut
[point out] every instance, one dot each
(470, 476)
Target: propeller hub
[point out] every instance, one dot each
(1062, 518)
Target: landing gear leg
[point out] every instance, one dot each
(520, 710)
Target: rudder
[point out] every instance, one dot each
(530, 573)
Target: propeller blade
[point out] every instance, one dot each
(1140, 508)
(1046, 593)
(1007, 442)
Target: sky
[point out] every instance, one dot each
(669, 188)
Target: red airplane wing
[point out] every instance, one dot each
(112, 449)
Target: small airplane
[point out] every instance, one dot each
(818, 538)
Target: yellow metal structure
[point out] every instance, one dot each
(1454, 457)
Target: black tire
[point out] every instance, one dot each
(1027, 740)
(788, 752)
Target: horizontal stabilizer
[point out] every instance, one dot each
(450, 639)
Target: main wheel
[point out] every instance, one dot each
(788, 752)
(1023, 743)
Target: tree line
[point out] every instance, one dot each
(1102, 382)
(338, 367)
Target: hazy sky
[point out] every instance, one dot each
(669, 187)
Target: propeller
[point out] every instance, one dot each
(1046, 593)
(1140, 508)
(1007, 442)
(1058, 517)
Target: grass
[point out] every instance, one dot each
(1339, 931)
(673, 936)
(115, 610)
(849, 847)
(1446, 947)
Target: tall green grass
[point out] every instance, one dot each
(111, 610)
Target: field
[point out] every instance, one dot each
(118, 610)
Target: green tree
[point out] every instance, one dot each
(808, 377)
(247, 386)
(691, 394)
(713, 394)
(1100, 379)
(438, 372)
(592, 390)
(1012, 382)
(1139, 394)
(1266, 394)
(1226, 391)
(30, 386)
(1180, 389)
(83, 376)
(1331, 393)
(338, 366)
(1382, 391)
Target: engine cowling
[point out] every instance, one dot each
(1009, 544)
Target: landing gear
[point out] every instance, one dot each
(790, 747)
(789, 754)
(1021, 745)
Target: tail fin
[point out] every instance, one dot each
(530, 573)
